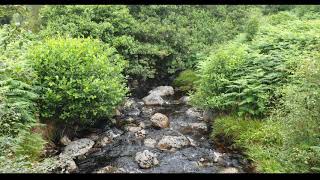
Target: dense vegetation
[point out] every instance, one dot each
(257, 66)
(272, 79)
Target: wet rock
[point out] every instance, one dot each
(194, 113)
(153, 99)
(172, 143)
(195, 128)
(140, 134)
(107, 169)
(134, 129)
(204, 162)
(192, 142)
(200, 127)
(147, 111)
(129, 120)
(114, 133)
(162, 91)
(217, 156)
(66, 164)
(160, 120)
(184, 99)
(131, 107)
(142, 125)
(77, 148)
(65, 140)
(93, 136)
(208, 115)
(229, 170)
(103, 141)
(150, 142)
(146, 159)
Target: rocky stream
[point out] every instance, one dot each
(159, 133)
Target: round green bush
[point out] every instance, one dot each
(81, 79)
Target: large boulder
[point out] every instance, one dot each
(172, 143)
(146, 159)
(162, 91)
(153, 99)
(160, 120)
(77, 148)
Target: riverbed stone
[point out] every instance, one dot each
(153, 99)
(229, 170)
(184, 99)
(150, 142)
(131, 107)
(107, 169)
(134, 129)
(172, 143)
(195, 128)
(162, 91)
(147, 111)
(65, 140)
(66, 164)
(192, 142)
(200, 127)
(193, 113)
(103, 141)
(140, 134)
(78, 147)
(142, 125)
(146, 159)
(160, 120)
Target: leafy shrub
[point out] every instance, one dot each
(288, 140)
(81, 79)
(157, 40)
(17, 93)
(214, 74)
(186, 80)
(266, 64)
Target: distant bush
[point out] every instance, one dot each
(186, 80)
(81, 79)
(157, 40)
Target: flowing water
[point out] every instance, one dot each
(119, 156)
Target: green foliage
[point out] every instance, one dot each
(249, 87)
(17, 92)
(156, 40)
(186, 80)
(29, 144)
(288, 141)
(81, 79)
